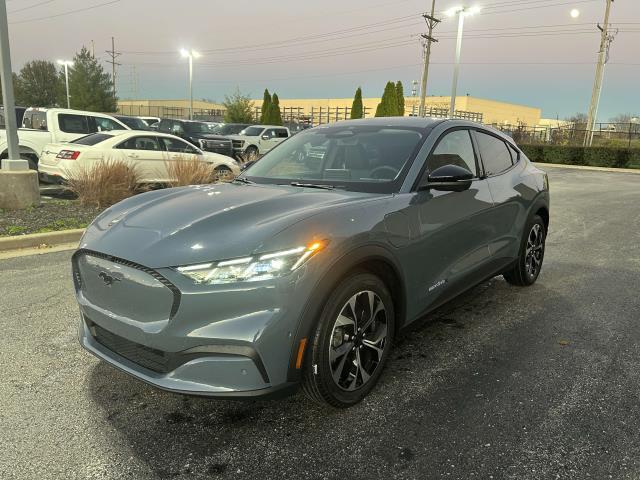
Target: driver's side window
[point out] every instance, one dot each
(455, 148)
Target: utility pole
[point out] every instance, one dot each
(93, 49)
(603, 57)
(432, 22)
(113, 54)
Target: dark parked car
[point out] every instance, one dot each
(19, 115)
(134, 123)
(199, 134)
(306, 266)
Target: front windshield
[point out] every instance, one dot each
(229, 129)
(252, 131)
(197, 127)
(363, 158)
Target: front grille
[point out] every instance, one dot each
(77, 277)
(150, 358)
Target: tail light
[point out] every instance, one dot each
(68, 154)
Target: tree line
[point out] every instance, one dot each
(41, 83)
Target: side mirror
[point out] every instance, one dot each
(448, 178)
(266, 137)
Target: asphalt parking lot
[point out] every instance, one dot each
(536, 383)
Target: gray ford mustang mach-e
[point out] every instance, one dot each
(303, 269)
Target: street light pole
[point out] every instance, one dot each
(66, 64)
(456, 68)
(13, 162)
(461, 12)
(190, 54)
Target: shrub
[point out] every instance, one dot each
(599, 156)
(189, 172)
(104, 182)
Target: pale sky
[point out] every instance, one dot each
(514, 51)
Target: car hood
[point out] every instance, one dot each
(197, 224)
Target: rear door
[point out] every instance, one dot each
(147, 154)
(502, 176)
(72, 126)
(451, 250)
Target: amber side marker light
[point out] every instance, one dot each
(301, 347)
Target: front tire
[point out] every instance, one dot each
(351, 343)
(527, 269)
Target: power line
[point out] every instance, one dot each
(48, 17)
(32, 6)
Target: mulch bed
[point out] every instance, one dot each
(49, 216)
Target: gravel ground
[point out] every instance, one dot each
(537, 383)
(50, 215)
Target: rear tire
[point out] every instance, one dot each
(527, 268)
(351, 343)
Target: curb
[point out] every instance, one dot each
(586, 167)
(38, 239)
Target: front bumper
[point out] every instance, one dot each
(219, 342)
(226, 150)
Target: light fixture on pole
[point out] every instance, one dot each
(461, 12)
(575, 13)
(66, 64)
(190, 54)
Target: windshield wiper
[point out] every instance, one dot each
(243, 180)
(312, 185)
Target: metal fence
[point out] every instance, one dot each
(444, 113)
(211, 115)
(605, 134)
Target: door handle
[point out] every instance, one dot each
(132, 155)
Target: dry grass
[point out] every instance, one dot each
(103, 183)
(189, 172)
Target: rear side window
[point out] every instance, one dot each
(73, 123)
(282, 133)
(455, 148)
(92, 139)
(141, 143)
(515, 155)
(495, 155)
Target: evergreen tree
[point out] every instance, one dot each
(238, 108)
(90, 87)
(388, 106)
(400, 96)
(357, 110)
(275, 116)
(38, 84)
(266, 103)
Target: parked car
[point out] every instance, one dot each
(41, 126)
(149, 151)
(19, 114)
(304, 268)
(258, 139)
(150, 121)
(225, 129)
(198, 134)
(134, 123)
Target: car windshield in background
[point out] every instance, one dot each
(252, 131)
(197, 127)
(363, 158)
(134, 123)
(229, 129)
(92, 139)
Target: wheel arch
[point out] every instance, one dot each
(374, 259)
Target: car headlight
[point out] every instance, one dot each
(251, 269)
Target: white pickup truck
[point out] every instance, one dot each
(41, 126)
(258, 139)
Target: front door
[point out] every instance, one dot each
(450, 252)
